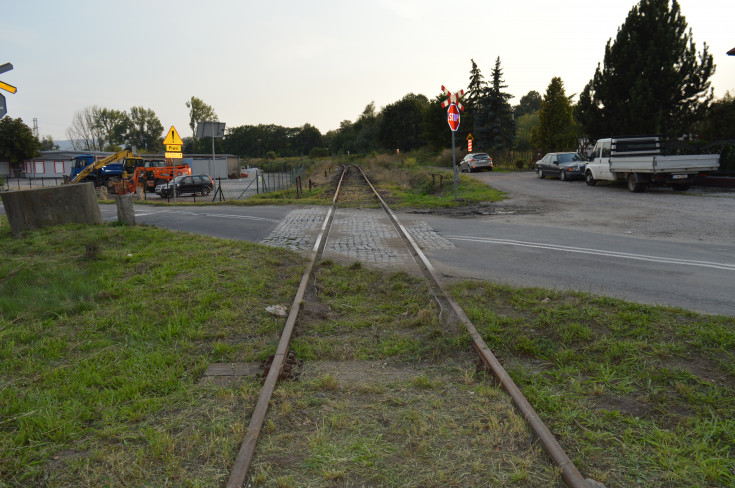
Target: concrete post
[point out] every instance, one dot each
(125, 209)
(54, 205)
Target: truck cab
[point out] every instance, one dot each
(598, 167)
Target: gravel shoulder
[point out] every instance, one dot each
(700, 214)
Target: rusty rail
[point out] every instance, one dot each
(247, 448)
(570, 473)
(242, 463)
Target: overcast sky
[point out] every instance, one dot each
(289, 62)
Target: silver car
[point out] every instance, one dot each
(476, 162)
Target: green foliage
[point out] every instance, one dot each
(254, 141)
(530, 103)
(719, 121)
(653, 81)
(103, 129)
(145, 130)
(112, 127)
(47, 144)
(556, 130)
(270, 155)
(494, 128)
(17, 141)
(526, 124)
(401, 126)
(199, 112)
(319, 152)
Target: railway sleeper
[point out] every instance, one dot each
(291, 368)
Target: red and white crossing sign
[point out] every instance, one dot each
(453, 117)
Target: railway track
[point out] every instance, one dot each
(354, 188)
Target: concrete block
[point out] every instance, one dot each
(43, 207)
(125, 209)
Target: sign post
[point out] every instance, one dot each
(10, 88)
(453, 120)
(173, 145)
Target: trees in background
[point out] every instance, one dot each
(494, 127)
(17, 141)
(402, 124)
(556, 130)
(652, 81)
(102, 129)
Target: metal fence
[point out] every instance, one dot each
(28, 183)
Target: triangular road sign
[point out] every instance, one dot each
(173, 137)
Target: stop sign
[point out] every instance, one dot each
(453, 117)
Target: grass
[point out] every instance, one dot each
(642, 395)
(106, 332)
(400, 180)
(101, 357)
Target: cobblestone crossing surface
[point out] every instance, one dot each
(364, 235)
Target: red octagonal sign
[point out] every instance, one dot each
(453, 117)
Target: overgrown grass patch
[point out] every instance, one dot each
(640, 395)
(101, 354)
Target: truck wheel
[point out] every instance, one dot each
(541, 174)
(589, 179)
(634, 185)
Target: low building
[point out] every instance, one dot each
(57, 164)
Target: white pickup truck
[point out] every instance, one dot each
(639, 162)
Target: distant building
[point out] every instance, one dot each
(57, 164)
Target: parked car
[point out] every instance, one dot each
(567, 166)
(475, 162)
(186, 184)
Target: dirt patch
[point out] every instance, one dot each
(471, 209)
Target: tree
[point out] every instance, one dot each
(436, 130)
(476, 90)
(47, 144)
(494, 125)
(719, 121)
(112, 127)
(653, 81)
(145, 130)
(199, 112)
(84, 133)
(17, 141)
(401, 126)
(530, 103)
(526, 126)
(556, 130)
(307, 138)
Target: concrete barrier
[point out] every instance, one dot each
(43, 207)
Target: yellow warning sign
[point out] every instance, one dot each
(173, 137)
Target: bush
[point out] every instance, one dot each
(520, 163)
(270, 155)
(319, 152)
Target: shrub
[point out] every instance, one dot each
(319, 152)
(270, 155)
(520, 163)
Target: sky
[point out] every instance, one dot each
(292, 62)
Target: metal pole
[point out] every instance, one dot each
(454, 165)
(214, 175)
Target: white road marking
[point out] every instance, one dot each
(599, 252)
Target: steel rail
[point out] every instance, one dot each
(570, 473)
(247, 448)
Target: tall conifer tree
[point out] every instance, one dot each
(653, 80)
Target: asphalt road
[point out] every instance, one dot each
(659, 247)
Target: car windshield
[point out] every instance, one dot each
(481, 156)
(569, 157)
